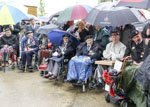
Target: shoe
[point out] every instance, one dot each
(30, 67)
(47, 76)
(52, 77)
(79, 81)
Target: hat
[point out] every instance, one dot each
(66, 35)
(134, 33)
(88, 37)
(115, 32)
(28, 32)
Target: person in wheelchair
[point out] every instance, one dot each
(63, 51)
(80, 66)
(114, 49)
(45, 47)
(8, 47)
(29, 46)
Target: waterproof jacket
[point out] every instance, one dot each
(10, 41)
(102, 37)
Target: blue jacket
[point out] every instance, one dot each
(32, 46)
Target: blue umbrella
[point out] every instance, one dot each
(56, 37)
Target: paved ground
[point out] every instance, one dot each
(30, 90)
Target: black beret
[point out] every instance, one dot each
(66, 35)
(88, 37)
(28, 32)
(115, 31)
(134, 33)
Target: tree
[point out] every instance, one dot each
(99, 1)
(42, 8)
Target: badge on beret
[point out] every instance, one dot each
(133, 48)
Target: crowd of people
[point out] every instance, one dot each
(96, 43)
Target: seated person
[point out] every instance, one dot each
(44, 48)
(64, 51)
(29, 46)
(135, 48)
(8, 46)
(80, 66)
(114, 49)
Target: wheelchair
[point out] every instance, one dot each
(34, 64)
(12, 61)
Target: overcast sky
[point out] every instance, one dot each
(53, 6)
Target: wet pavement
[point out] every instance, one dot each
(19, 89)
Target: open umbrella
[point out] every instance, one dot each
(115, 16)
(134, 3)
(74, 13)
(47, 28)
(56, 36)
(11, 12)
(43, 18)
(30, 16)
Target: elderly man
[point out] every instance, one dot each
(114, 49)
(29, 46)
(136, 48)
(64, 51)
(80, 66)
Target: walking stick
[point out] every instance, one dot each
(26, 60)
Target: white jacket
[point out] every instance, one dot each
(114, 51)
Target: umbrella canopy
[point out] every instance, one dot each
(43, 18)
(74, 13)
(105, 5)
(47, 28)
(134, 3)
(11, 12)
(115, 16)
(56, 37)
(30, 16)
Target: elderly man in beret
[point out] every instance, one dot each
(136, 47)
(29, 46)
(114, 49)
(80, 66)
(61, 52)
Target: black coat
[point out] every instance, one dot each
(10, 41)
(131, 50)
(82, 50)
(69, 52)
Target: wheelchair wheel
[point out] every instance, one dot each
(107, 97)
(124, 103)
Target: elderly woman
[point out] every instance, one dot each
(80, 66)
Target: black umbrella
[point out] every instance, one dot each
(47, 28)
(135, 3)
(115, 16)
